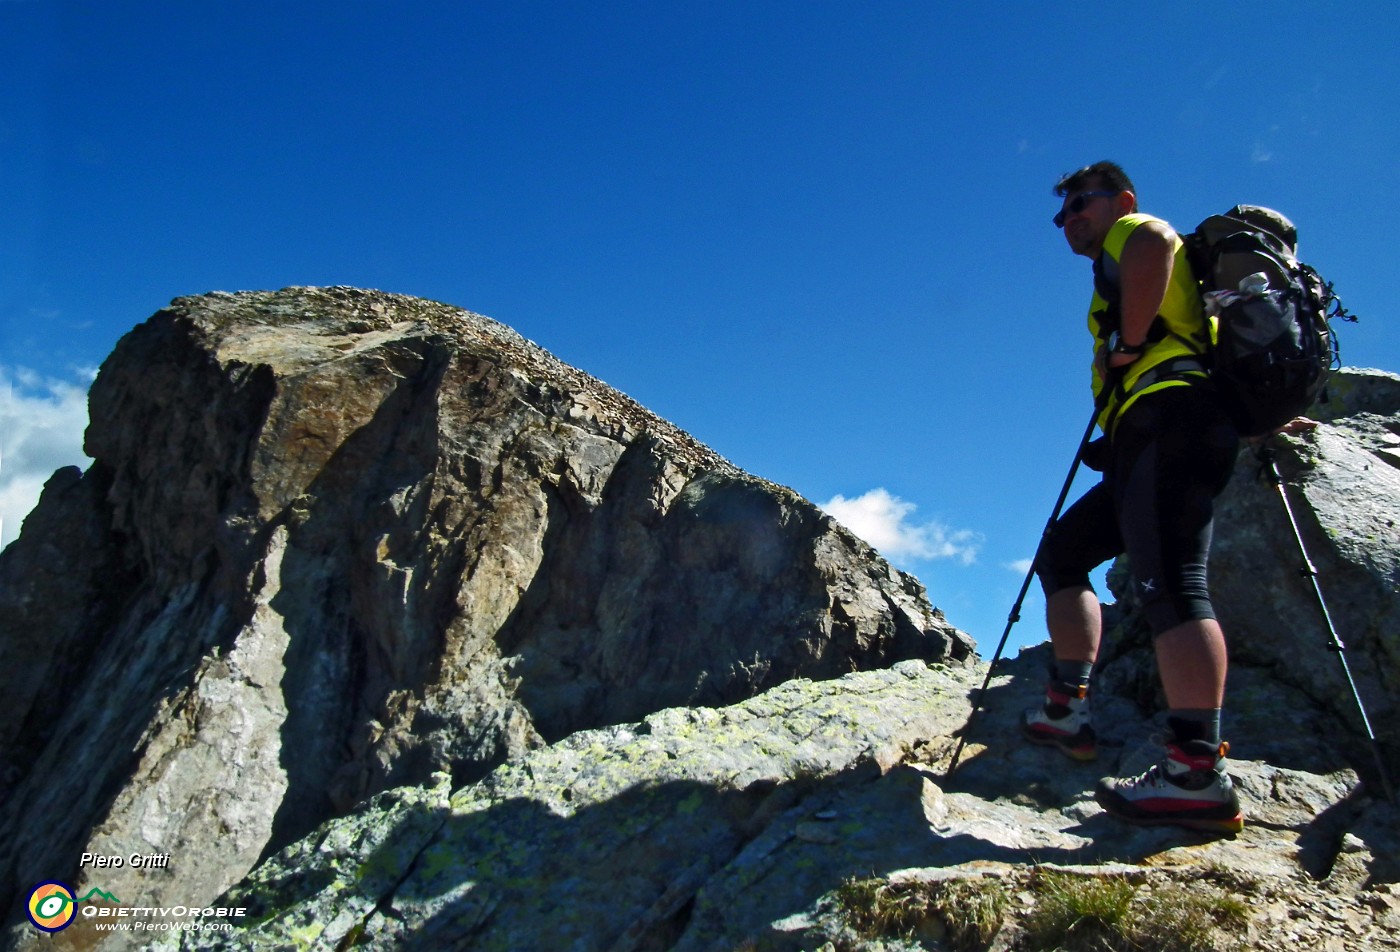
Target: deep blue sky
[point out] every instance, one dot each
(816, 235)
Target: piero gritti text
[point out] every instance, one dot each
(133, 861)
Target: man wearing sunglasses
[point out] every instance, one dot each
(1167, 453)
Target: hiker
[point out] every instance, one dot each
(1167, 452)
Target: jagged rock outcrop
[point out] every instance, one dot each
(396, 633)
(337, 541)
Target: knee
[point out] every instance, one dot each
(1168, 610)
(1056, 579)
(1059, 567)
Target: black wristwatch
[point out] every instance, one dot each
(1116, 345)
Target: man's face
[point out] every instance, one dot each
(1089, 212)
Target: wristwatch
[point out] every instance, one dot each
(1116, 345)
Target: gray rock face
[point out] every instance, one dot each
(608, 835)
(1343, 483)
(735, 828)
(337, 541)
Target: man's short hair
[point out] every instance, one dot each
(1107, 175)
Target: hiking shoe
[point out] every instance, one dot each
(1063, 722)
(1189, 788)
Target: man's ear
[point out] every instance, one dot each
(1126, 202)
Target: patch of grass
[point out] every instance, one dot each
(973, 912)
(1077, 913)
(876, 907)
(1070, 912)
(1192, 920)
(970, 911)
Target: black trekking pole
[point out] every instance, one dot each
(1015, 614)
(1267, 457)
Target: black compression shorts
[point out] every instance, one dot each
(1170, 456)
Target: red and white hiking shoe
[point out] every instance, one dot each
(1189, 788)
(1063, 722)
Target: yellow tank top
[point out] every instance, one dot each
(1180, 331)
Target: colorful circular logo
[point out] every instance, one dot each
(51, 906)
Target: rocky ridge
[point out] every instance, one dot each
(370, 614)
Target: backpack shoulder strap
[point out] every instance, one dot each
(1197, 256)
(1107, 286)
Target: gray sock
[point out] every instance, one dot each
(1195, 723)
(1073, 672)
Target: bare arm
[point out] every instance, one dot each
(1144, 270)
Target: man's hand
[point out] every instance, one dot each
(1116, 360)
(1293, 427)
(1298, 425)
(1105, 360)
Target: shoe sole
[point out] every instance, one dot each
(1230, 825)
(1079, 754)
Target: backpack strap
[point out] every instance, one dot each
(1176, 368)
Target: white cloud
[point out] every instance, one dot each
(883, 521)
(41, 429)
(1020, 566)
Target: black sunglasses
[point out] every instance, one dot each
(1076, 205)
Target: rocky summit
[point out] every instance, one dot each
(373, 625)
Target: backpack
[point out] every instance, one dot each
(1274, 349)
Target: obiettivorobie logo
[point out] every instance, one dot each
(52, 906)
